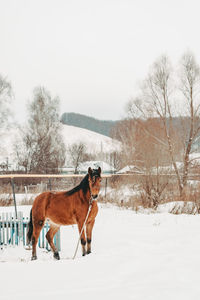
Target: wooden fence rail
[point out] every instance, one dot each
(50, 176)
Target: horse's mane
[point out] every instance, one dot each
(83, 185)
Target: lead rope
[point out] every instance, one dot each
(89, 209)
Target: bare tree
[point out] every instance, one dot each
(190, 87)
(5, 101)
(158, 100)
(6, 96)
(142, 141)
(77, 154)
(115, 160)
(157, 92)
(42, 149)
(24, 150)
(153, 188)
(125, 132)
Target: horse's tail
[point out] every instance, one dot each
(30, 229)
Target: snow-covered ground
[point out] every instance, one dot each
(135, 256)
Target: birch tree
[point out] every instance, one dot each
(42, 149)
(5, 112)
(190, 88)
(158, 97)
(5, 102)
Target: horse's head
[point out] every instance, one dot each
(94, 181)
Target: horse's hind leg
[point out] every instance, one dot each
(37, 227)
(49, 236)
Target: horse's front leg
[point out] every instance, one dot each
(82, 237)
(89, 228)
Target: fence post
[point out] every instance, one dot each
(26, 192)
(1, 240)
(20, 226)
(50, 184)
(3, 229)
(13, 190)
(106, 186)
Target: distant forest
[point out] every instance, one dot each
(78, 120)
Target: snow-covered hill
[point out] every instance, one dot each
(94, 142)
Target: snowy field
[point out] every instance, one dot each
(135, 256)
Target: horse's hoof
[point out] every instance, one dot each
(56, 255)
(34, 257)
(84, 254)
(88, 252)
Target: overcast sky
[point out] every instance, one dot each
(91, 53)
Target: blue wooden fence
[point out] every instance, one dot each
(13, 231)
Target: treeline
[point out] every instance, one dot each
(152, 134)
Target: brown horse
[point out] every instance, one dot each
(66, 208)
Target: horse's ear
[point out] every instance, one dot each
(99, 170)
(89, 171)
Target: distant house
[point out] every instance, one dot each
(67, 170)
(105, 167)
(131, 169)
(83, 167)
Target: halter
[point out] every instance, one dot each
(89, 209)
(91, 197)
